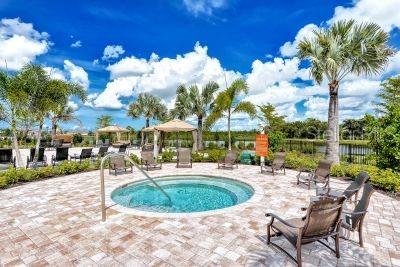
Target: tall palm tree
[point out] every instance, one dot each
(148, 106)
(344, 48)
(61, 114)
(103, 121)
(194, 101)
(228, 102)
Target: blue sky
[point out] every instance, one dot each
(155, 45)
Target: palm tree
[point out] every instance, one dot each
(344, 48)
(193, 101)
(103, 121)
(148, 106)
(228, 102)
(61, 114)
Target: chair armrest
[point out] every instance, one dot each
(303, 208)
(281, 220)
(354, 212)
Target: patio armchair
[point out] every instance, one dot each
(229, 161)
(320, 175)
(6, 158)
(322, 220)
(148, 161)
(277, 164)
(353, 221)
(60, 156)
(350, 191)
(86, 153)
(41, 161)
(184, 159)
(118, 164)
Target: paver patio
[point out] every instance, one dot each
(58, 222)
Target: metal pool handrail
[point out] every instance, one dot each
(102, 189)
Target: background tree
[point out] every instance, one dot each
(103, 121)
(62, 113)
(344, 48)
(272, 121)
(198, 102)
(13, 99)
(227, 103)
(386, 139)
(148, 106)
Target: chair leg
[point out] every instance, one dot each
(337, 251)
(268, 234)
(360, 237)
(298, 248)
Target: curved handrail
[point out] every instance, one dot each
(102, 189)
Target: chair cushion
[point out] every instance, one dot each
(289, 232)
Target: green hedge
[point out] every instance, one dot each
(14, 176)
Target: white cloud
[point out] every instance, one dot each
(203, 7)
(385, 13)
(76, 74)
(55, 73)
(77, 44)
(112, 52)
(161, 76)
(289, 49)
(20, 43)
(73, 105)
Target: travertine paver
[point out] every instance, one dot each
(57, 222)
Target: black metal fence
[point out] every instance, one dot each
(351, 153)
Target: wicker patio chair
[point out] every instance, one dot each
(184, 159)
(350, 191)
(6, 158)
(41, 161)
(61, 155)
(86, 153)
(353, 221)
(277, 164)
(229, 161)
(118, 164)
(320, 175)
(322, 221)
(148, 161)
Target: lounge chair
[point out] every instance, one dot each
(6, 158)
(184, 159)
(353, 221)
(122, 148)
(323, 220)
(57, 143)
(41, 161)
(100, 143)
(350, 191)
(118, 164)
(61, 155)
(102, 151)
(86, 153)
(230, 160)
(148, 161)
(277, 164)
(319, 175)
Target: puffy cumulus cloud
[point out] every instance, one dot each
(112, 52)
(55, 73)
(289, 49)
(204, 7)
(73, 105)
(76, 74)
(115, 90)
(20, 43)
(317, 107)
(264, 75)
(76, 44)
(385, 13)
(162, 76)
(394, 64)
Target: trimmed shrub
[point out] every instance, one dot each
(77, 139)
(134, 158)
(250, 146)
(215, 155)
(198, 157)
(167, 155)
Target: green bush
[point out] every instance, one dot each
(250, 146)
(134, 158)
(276, 140)
(167, 155)
(240, 145)
(215, 155)
(198, 157)
(77, 139)
(296, 160)
(211, 145)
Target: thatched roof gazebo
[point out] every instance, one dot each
(112, 129)
(173, 126)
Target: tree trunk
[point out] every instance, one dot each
(15, 144)
(53, 130)
(229, 130)
(332, 136)
(38, 136)
(145, 133)
(200, 133)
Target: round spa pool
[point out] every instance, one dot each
(189, 193)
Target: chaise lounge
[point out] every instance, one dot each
(184, 158)
(41, 161)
